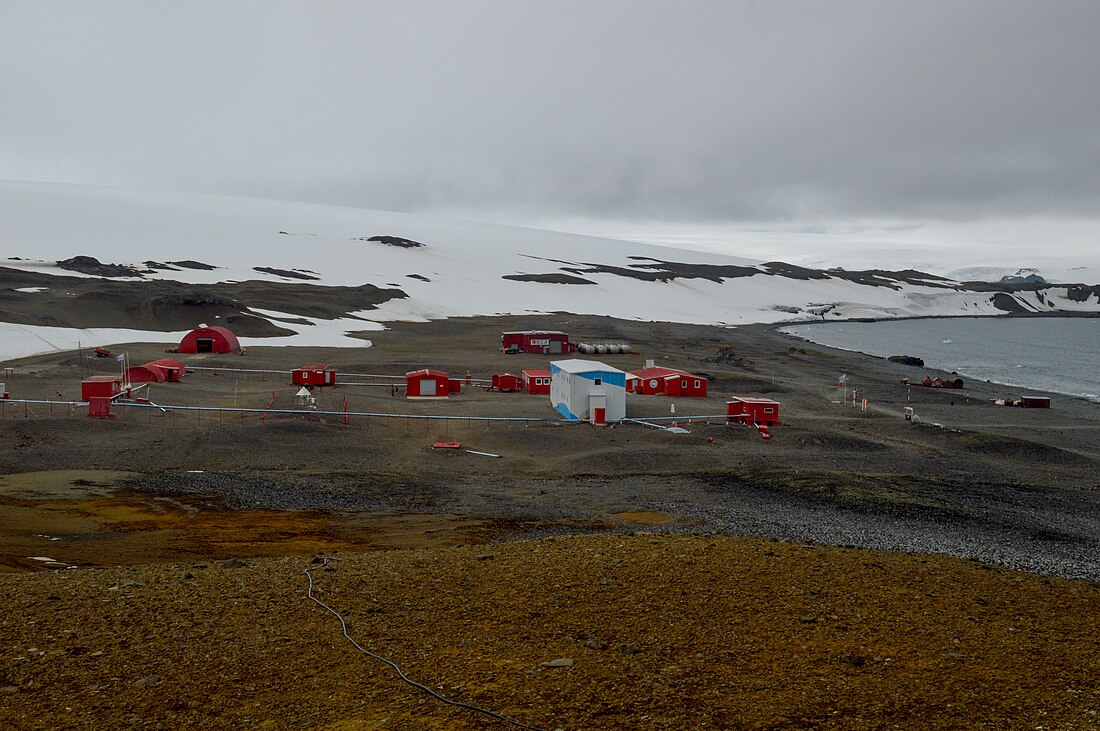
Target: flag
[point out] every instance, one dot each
(840, 381)
(120, 358)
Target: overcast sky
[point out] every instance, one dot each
(660, 120)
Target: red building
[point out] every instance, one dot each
(536, 341)
(155, 371)
(760, 411)
(145, 373)
(98, 392)
(313, 374)
(657, 381)
(209, 340)
(100, 386)
(536, 381)
(427, 383)
(173, 369)
(507, 382)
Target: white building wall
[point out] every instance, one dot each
(569, 390)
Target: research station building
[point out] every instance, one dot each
(758, 411)
(156, 371)
(428, 383)
(536, 381)
(587, 390)
(658, 381)
(313, 374)
(551, 342)
(214, 339)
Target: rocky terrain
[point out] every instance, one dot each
(586, 578)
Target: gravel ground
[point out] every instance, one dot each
(1044, 530)
(279, 491)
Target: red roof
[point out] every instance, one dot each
(536, 373)
(427, 372)
(658, 372)
(165, 363)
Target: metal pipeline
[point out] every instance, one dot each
(381, 415)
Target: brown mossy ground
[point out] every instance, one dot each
(664, 632)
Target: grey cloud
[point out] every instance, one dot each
(671, 111)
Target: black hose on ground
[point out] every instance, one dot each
(401, 673)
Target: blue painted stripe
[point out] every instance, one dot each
(564, 411)
(611, 379)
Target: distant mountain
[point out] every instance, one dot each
(159, 263)
(1033, 278)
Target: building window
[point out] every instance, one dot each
(698, 385)
(598, 381)
(768, 409)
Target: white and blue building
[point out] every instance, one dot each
(587, 390)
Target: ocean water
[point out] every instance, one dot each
(1034, 354)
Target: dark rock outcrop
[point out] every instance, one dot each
(96, 268)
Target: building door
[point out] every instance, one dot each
(555, 346)
(597, 408)
(427, 387)
(204, 345)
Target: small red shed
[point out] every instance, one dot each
(215, 339)
(760, 411)
(507, 382)
(536, 381)
(454, 385)
(654, 381)
(536, 341)
(1034, 402)
(427, 383)
(313, 374)
(100, 386)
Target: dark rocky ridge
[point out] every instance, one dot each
(169, 305)
(96, 268)
(1007, 303)
(394, 241)
(552, 278)
(288, 273)
(192, 264)
(1081, 292)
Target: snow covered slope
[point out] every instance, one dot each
(430, 268)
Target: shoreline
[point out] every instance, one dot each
(1034, 390)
